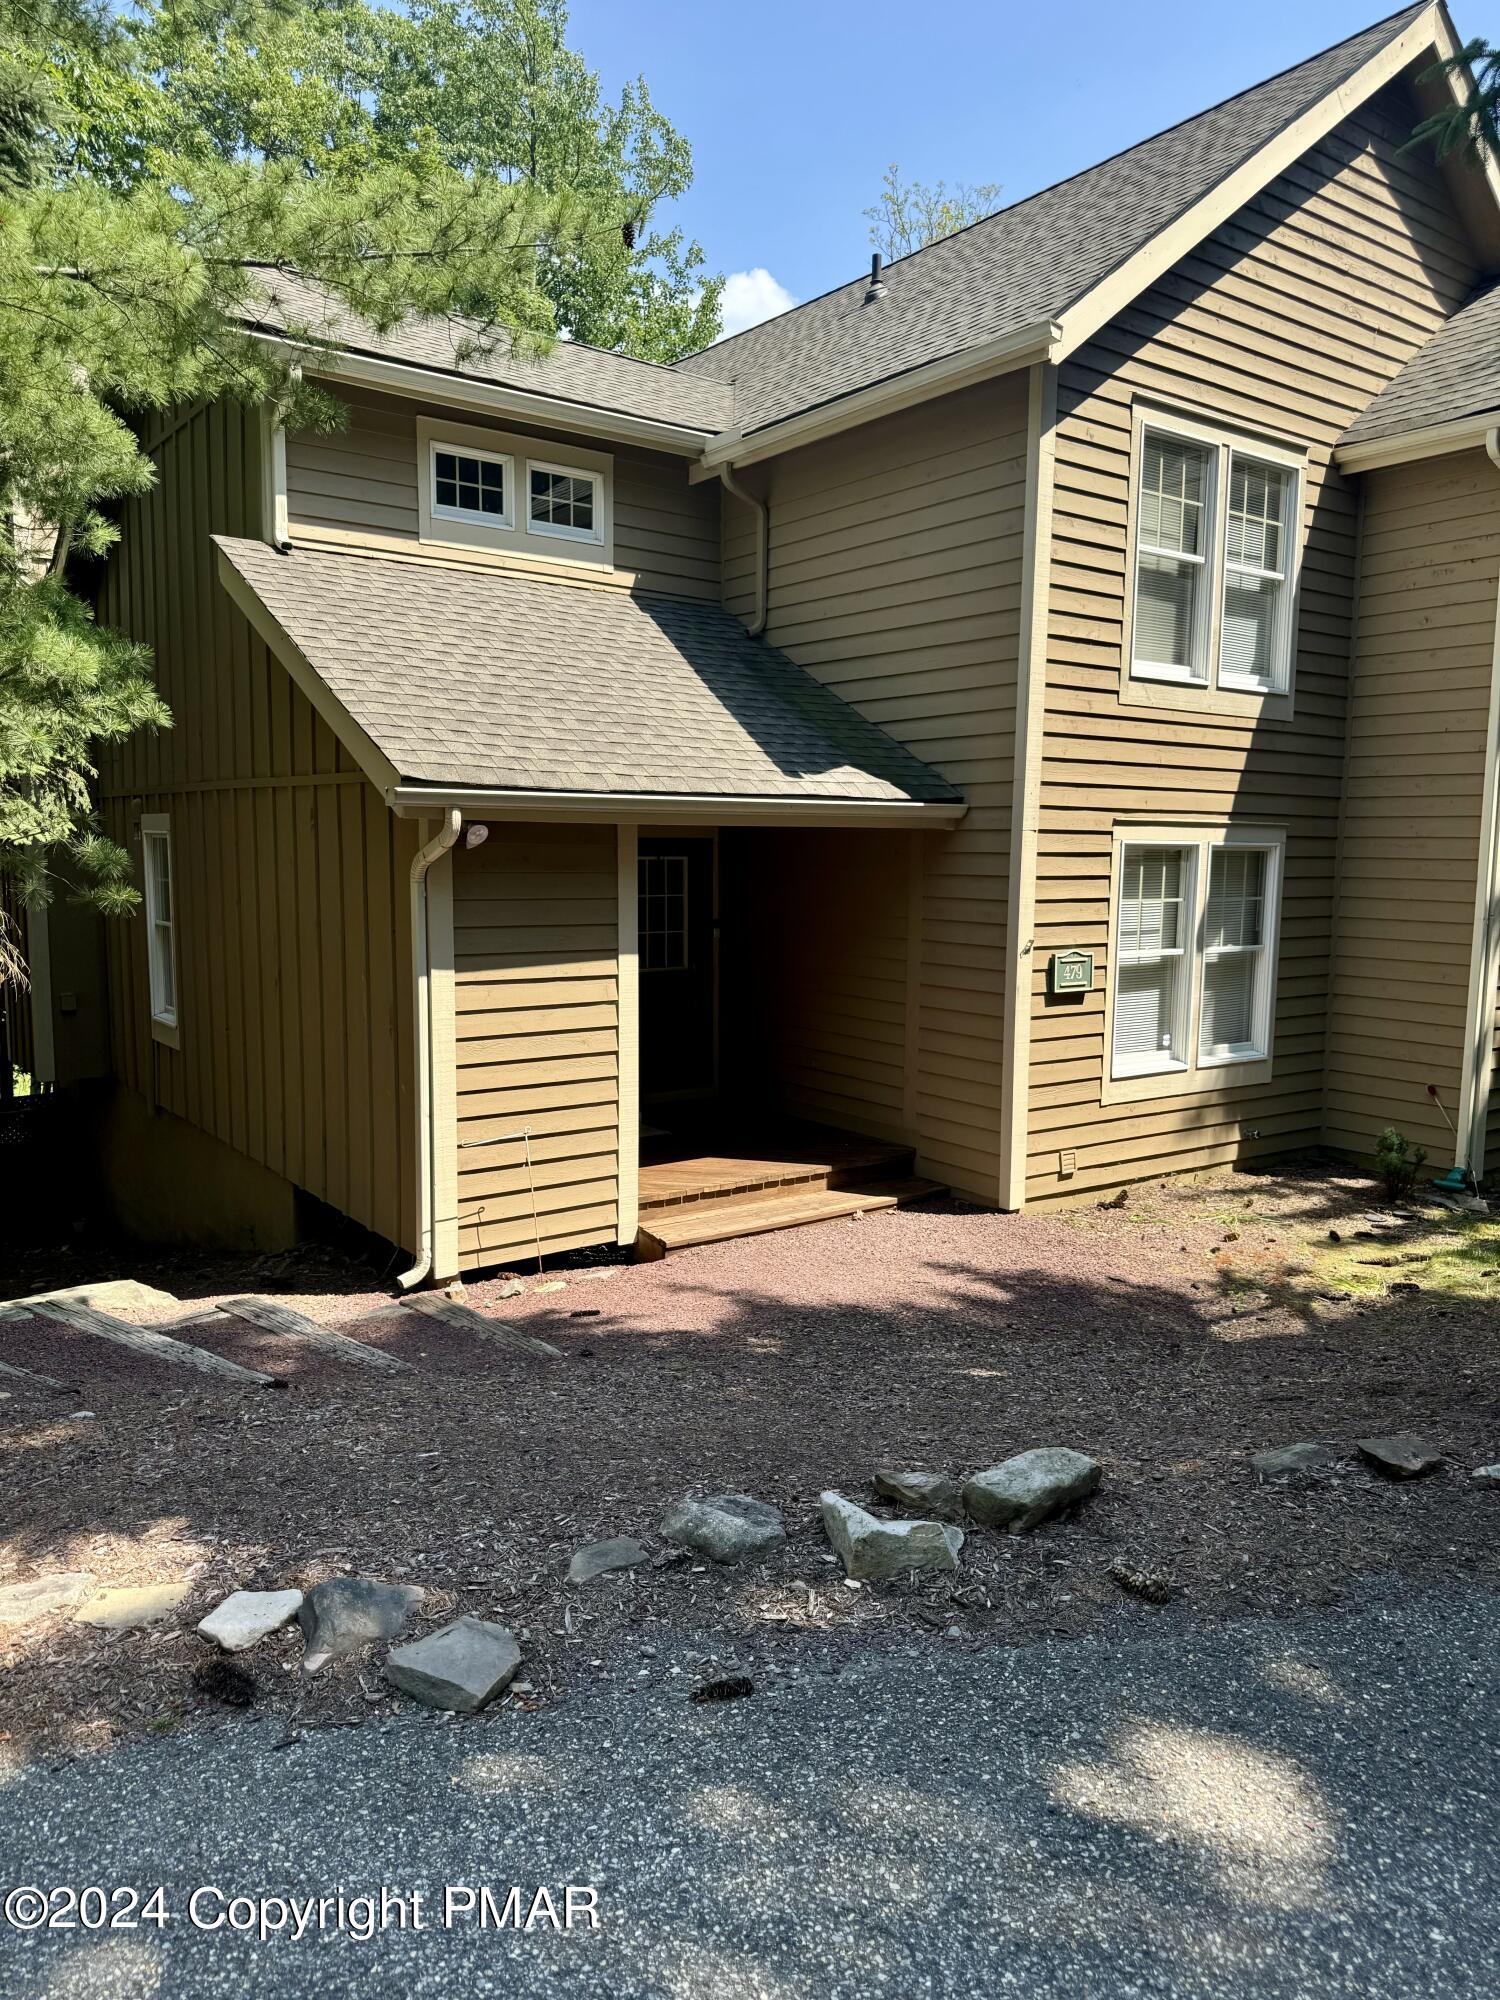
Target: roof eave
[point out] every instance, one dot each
(1405, 447)
(409, 800)
(471, 392)
(1018, 349)
(1094, 309)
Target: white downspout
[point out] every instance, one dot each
(1484, 972)
(731, 484)
(439, 845)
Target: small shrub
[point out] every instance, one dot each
(1398, 1162)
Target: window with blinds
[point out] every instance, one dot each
(1214, 546)
(1193, 958)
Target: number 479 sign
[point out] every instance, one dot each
(1071, 972)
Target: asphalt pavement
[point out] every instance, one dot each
(1263, 1811)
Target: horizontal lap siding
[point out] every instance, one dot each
(361, 482)
(536, 992)
(1289, 318)
(293, 948)
(895, 579)
(1417, 725)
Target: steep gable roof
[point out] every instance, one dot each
(1027, 263)
(1456, 375)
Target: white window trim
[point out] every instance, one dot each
(516, 534)
(559, 529)
(1195, 1073)
(474, 515)
(1151, 683)
(164, 1022)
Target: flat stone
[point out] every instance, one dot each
(127, 1295)
(598, 1558)
(248, 1616)
(933, 1492)
(1024, 1490)
(1402, 1456)
(137, 1604)
(460, 1667)
(726, 1527)
(1487, 1475)
(349, 1613)
(1288, 1460)
(869, 1547)
(40, 1595)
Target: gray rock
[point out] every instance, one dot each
(247, 1616)
(598, 1558)
(1402, 1457)
(138, 1604)
(1487, 1475)
(727, 1527)
(870, 1548)
(350, 1612)
(460, 1667)
(1027, 1488)
(1287, 1460)
(933, 1492)
(39, 1595)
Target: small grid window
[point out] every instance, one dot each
(564, 502)
(1195, 930)
(471, 485)
(161, 937)
(1214, 544)
(663, 912)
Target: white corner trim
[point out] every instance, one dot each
(1031, 705)
(1098, 306)
(275, 518)
(1406, 447)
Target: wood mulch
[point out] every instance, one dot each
(1171, 1338)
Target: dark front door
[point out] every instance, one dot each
(677, 966)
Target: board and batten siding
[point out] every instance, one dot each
(292, 925)
(1287, 320)
(537, 1041)
(895, 579)
(359, 486)
(1418, 719)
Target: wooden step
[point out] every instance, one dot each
(697, 1222)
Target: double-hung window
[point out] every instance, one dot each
(161, 921)
(1194, 953)
(1215, 538)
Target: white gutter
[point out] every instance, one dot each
(1484, 951)
(916, 385)
(1432, 441)
(406, 378)
(439, 845)
(411, 801)
(756, 625)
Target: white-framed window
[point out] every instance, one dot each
(469, 484)
(1193, 955)
(663, 940)
(1215, 538)
(161, 918)
(564, 500)
(496, 490)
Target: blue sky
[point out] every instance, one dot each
(796, 107)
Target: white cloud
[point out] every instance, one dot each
(751, 296)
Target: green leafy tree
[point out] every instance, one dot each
(1471, 125)
(910, 214)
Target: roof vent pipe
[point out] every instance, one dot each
(877, 283)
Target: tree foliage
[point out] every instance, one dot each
(1470, 126)
(161, 178)
(911, 214)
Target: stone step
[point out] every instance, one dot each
(682, 1228)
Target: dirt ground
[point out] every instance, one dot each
(1171, 1337)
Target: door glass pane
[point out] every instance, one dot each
(663, 917)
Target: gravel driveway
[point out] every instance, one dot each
(1269, 1811)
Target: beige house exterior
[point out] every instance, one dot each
(1033, 708)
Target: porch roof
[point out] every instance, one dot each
(511, 683)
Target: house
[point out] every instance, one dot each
(1028, 715)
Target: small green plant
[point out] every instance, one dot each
(1398, 1162)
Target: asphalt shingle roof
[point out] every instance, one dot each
(570, 372)
(1027, 263)
(1457, 374)
(463, 677)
